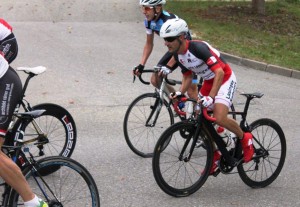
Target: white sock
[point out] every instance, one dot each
(32, 203)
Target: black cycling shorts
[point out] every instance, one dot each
(10, 95)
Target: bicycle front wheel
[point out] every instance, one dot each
(141, 127)
(270, 151)
(71, 185)
(58, 136)
(175, 173)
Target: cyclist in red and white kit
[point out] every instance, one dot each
(219, 80)
(8, 42)
(10, 94)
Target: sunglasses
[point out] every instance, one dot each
(170, 39)
(146, 8)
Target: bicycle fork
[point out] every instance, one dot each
(154, 112)
(157, 107)
(188, 156)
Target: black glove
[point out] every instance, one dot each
(140, 68)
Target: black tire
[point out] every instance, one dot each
(59, 127)
(140, 138)
(176, 176)
(263, 170)
(72, 184)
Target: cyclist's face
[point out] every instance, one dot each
(148, 12)
(172, 43)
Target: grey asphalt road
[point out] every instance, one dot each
(89, 48)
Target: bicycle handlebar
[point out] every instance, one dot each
(142, 80)
(209, 118)
(155, 70)
(204, 110)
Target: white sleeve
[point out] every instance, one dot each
(3, 66)
(149, 31)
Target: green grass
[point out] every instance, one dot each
(232, 28)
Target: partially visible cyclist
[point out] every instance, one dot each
(10, 94)
(8, 42)
(155, 16)
(219, 80)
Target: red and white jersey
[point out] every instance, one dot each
(5, 29)
(202, 59)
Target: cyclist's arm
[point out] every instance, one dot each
(147, 48)
(186, 82)
(171, 63)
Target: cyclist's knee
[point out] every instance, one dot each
(193, 92)
(154, 80)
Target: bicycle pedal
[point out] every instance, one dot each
(216, 173)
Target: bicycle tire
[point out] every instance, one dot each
(140, 138)
(259, 172)
(72, 184)
(59, 126)
(174, 175)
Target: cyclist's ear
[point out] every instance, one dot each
(158, 8)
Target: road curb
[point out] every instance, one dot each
(261, 66)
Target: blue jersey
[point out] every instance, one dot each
(154, 26)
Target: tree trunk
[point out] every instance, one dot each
(258, 6)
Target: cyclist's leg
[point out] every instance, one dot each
(223, 101)
(13, 176)
(192, 92)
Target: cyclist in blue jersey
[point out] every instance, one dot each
(155, 17)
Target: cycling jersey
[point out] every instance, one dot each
(8, 42)
(202, 59)
(5, 29)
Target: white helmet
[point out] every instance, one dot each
(173, 28)
(151, 2)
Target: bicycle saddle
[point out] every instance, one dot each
(31, 114)
(35, 70)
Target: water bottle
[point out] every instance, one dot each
(181, 105)
(189, 106)
(227, 136)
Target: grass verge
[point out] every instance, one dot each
(232, 27)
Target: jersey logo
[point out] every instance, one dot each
(211, 60)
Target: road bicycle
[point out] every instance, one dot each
(52, 133)
(180, 168)
(60, 181)
(150, 114)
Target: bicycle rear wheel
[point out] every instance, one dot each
(58, 127)
(140, 133)
(70, 185)
(270, 151)
(174, 174)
